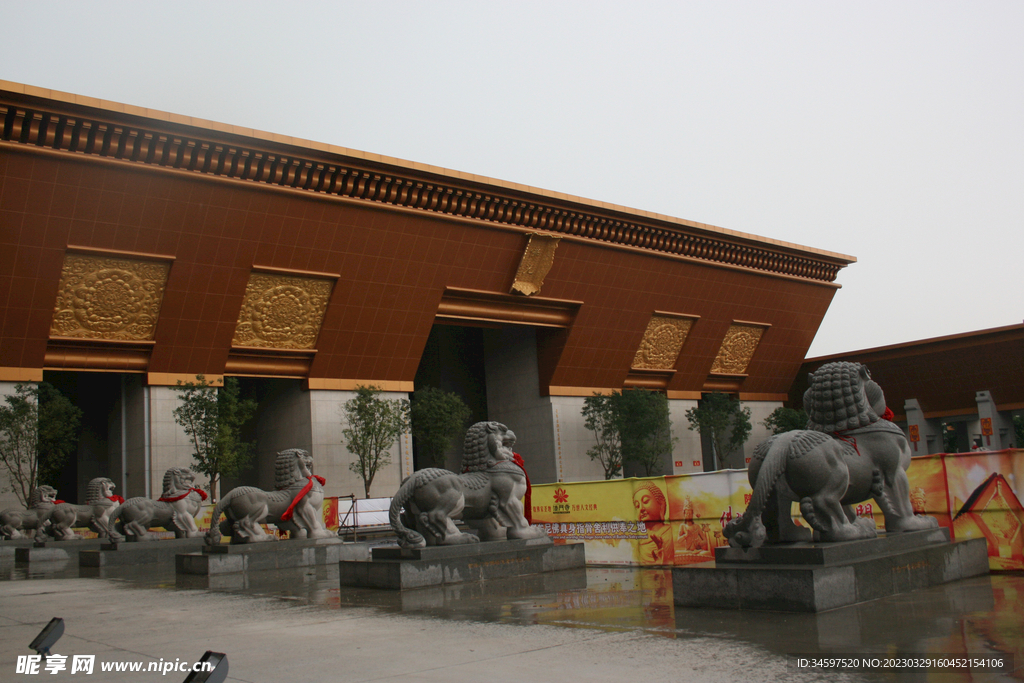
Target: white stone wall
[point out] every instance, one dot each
(169, 445)
(7, 497)
(572, 441)
(333, 457)
(686, 452)
(759, 411)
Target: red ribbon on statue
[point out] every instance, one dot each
(888, 414)
(116, 498)
(58, 502)
(175, 499)
(295, 501)
(528, 512)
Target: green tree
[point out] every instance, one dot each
(786, 420)
(38, 428)
(438, 418)
(1018, 428)
(374, 423)
(213, 418)
(599, 417)
(644, 429)
(723, 421)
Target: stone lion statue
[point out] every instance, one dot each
(488, 492)
(17, 523)
(175, 510)
(100, 501)
(848, 454)
(296, 506)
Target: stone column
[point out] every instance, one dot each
(513, 398)
(929, 431)
(1002, 423)
(687, 455)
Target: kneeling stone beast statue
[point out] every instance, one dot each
(488, 492)
(175, 510)
(849, 453)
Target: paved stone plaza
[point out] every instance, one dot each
(587, 625)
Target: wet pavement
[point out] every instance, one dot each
(598, 624)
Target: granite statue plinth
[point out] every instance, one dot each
(228, 558)
(126, 552)
(7, 547)
(396, 568)
(815, 577)
(51, 550)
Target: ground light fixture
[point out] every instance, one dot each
(218, 669)
(48, 637)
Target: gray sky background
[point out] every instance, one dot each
(891, 131)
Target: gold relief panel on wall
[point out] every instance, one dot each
(538, 257)
(662, 342)
(282, 311)
(738, 348)
(109, 297)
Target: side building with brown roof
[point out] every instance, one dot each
(950, 394)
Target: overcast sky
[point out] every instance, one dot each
(891, 131)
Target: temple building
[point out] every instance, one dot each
(139, 249)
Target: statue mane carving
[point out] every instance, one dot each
(837, 399)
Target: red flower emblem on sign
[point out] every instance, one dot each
(561, 496)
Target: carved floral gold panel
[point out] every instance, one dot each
(538, 257)
(109, 297)
(737, 349)
(282, 311)
(662, 342)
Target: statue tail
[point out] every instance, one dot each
(213, 536)
(407, 538)
(748, 529)
(113, 524)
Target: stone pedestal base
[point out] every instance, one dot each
(7, 547)
(49, 551)
(141, 552)
(397, 568)
(225, 559)
(814, 577)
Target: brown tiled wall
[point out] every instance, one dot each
(394, 266)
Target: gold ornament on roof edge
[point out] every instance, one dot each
(538, 257)
(282, 311)
(662, 343)
(737, 349)
(109, 297)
